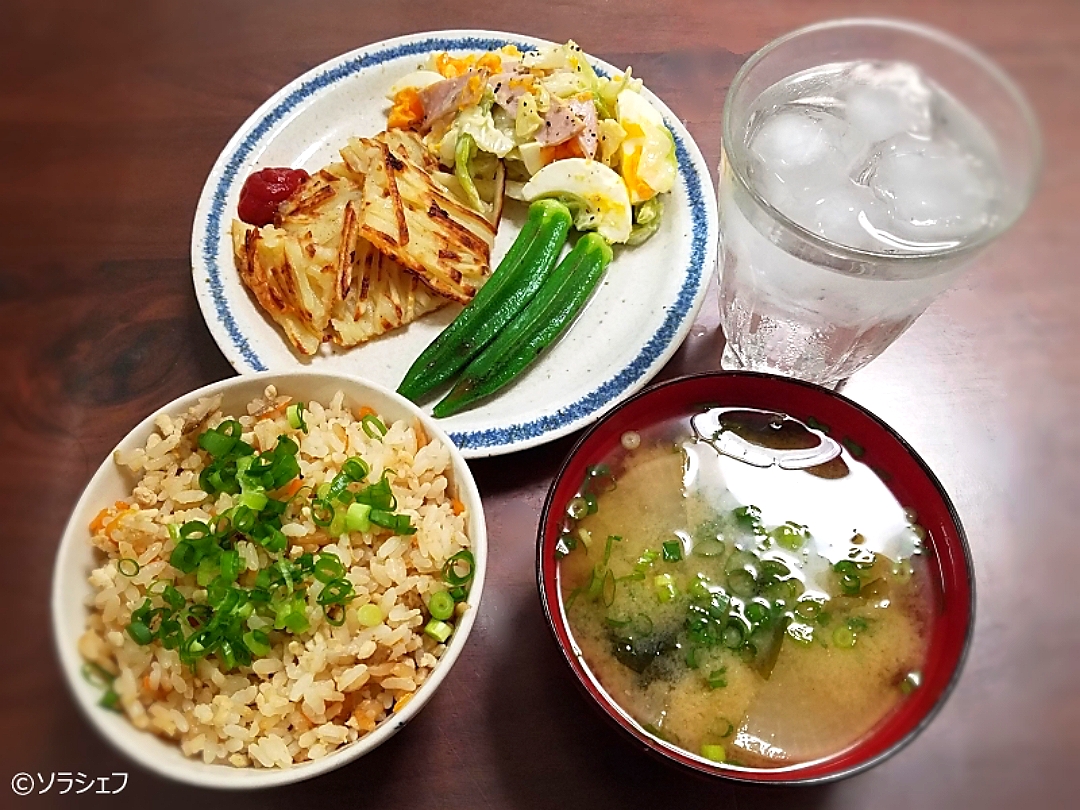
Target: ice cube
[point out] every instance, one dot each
(840, 215)
(887, 99)
(933, 191)
(796, 139)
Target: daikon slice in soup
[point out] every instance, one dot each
(745, 588)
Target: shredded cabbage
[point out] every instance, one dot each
(608, 89)
(528, 118)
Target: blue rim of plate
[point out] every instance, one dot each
(590, 405)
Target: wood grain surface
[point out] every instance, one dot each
(111, 115)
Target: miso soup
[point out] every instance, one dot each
(745, 588)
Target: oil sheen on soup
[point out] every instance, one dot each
(745, 588)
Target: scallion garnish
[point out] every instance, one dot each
(452, 572)
(357, 517)
(438, 630)
(369, 615)
(441, 605)
(128, 567)
(373, 426)
(717, 678)
(295, 414)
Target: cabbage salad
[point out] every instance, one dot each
(556, 127)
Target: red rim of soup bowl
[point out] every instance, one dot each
(904, 473)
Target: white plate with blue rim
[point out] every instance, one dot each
(635, 320)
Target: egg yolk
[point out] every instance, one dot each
(638, 188)
(451, 68)
(407, 110)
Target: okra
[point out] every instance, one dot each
(513, 284)
(542, 321)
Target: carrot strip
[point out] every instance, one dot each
(289, 489)
(365, 410)
(457, 506)
(112, 523)
(99, 520)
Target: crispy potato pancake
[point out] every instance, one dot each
(408, 215)
(382, 296)
(364, 246)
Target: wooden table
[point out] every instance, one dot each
(110, 120)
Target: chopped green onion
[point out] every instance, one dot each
(194, 531)
(757, 613)
(369, 615)
(441, 605)
(672, 551)
(749, 517)
(717, 678)
(356, 518)
(128, 567)
(338, 525)
(292, 616)
(438, 630)
(355, 468)
(714, 752)
(373, 426)
(253, 500)
(207, 571)
(609, 589)
(97, 675)
(170, 634)
(328, 567)
(399, 524)
(844, 636)
(335, 615)
(850, 584)
(243, 519)
(110, 700)
(184, 557)
(577, 507)
(295, 415)
(611, 540)
(790, 535)
(451, 572)
(732, 636)
(322, 513)
(337, 592)
(664, 585)
(229, 563)
(741, 582)
(596, 585)
(216, 443)
(139, 633)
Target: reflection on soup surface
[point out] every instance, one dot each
(745, 588)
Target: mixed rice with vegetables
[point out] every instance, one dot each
(278, 583)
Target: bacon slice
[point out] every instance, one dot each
(560, 124)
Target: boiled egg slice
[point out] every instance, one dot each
(596, 195)
(648, 162)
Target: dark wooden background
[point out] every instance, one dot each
(111, 115)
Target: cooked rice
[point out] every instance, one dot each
(314, 692)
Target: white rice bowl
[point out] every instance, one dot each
(317, 700)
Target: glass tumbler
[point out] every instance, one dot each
(796, 301)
